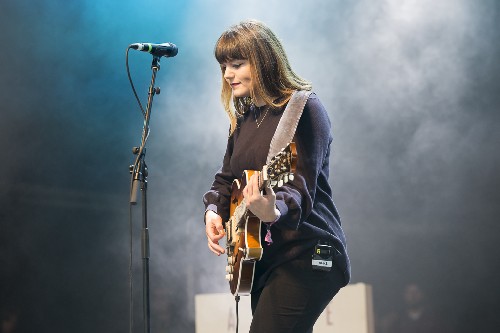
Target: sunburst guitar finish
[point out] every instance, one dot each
(244, 247)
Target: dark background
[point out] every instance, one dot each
(412, 88)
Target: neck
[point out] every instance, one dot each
(259, 102)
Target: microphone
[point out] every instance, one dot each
(160, 50)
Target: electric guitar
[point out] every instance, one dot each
(243, 228)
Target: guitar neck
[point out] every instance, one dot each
(242, 209)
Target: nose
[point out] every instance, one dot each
(228, 73)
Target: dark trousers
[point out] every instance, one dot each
(293, 297)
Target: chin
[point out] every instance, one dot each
(241, 94)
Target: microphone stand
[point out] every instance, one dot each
(140, 173)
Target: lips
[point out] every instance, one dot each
(234, 84)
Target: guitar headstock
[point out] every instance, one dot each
(281, 167)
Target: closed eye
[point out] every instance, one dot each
(235, 64)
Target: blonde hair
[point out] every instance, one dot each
(273, 79)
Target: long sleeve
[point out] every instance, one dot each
(295, 200)
(219, 195)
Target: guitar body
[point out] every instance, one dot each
(243, 242)
(243, 228)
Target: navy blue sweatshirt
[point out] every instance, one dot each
(308, 213)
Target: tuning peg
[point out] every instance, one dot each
(230, 260)
(280, 182)
(291, 177)
(229, 269)
(229, 277)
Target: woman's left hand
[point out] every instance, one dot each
(261, 205)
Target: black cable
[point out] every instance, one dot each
(237, 299)
(145, 137)
(132, 83)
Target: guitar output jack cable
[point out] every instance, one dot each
(237, 299)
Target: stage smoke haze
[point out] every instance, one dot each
(411, 88)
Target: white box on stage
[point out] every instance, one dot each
(351, 311)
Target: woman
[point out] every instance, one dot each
(289, 292)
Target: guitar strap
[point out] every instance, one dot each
(288, 123)
(285, 131)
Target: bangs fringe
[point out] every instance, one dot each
(228, 48)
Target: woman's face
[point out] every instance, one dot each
(237, 75)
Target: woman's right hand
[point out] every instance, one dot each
(215, 231)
